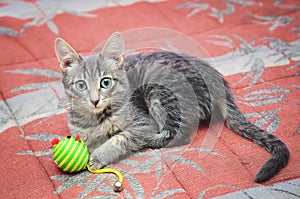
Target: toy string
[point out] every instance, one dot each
(106, 170)
(118, 185)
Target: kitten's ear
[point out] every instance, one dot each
(65, 54)
(114, 48)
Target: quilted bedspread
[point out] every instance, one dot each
(255, 44)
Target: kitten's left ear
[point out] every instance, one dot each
(65, 54)
(114, 48)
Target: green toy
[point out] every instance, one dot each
(71, 155)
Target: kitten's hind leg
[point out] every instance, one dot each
(165, 110)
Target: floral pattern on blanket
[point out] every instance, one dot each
(255, 44)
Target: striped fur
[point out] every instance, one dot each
(154, 100)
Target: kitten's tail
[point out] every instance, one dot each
(236, 121)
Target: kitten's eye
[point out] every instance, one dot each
(106, 82)
(81, 85)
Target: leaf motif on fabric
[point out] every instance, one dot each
(154, 164)
(39, 13)
(273, 21)
(146, 164)
(297, 131)
(196, 7)
(202, 194)
(169, 47)
(269, 116)
(297, 64)
(51, 25)
(255, 73)
(128, 195)
(36, 153)
(268, 91)
(138, 189)
(267, 101)
(290, 193)
(158, 169)
(168, 193)
(182, 160)
(295, 86)
(72, 181)
(296, 29)
(5, 114)
(105, 188)
(265, 96)
(84, 182)
(92, 186)
(269, 119)
(132, 163)
(8, 31)
(43, 137)
(222, 41)
(290, 50)
(219, 14)
(35, 86)
(43, 152)
(38, 72)
(28, 152)
(102, 197)
(209, 151)
(61, 178)
(273, 125)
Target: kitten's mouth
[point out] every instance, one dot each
(97, 109)
(101, 107)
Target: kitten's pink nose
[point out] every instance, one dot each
(95, 102)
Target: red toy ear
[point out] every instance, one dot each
(78, 137)
(54, 141)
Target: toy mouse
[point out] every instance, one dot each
(71, 155)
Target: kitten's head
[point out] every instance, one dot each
(94, 82)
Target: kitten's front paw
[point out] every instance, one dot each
(95, 163)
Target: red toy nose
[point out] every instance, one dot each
(54, 141)
(78, 137)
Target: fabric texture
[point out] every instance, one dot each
(254, 44)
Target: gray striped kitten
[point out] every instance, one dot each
(122, 105)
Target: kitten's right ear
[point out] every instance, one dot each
(114, 48)
(65, 54)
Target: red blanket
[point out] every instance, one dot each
(255, 44)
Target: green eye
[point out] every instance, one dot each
(81, 85)
(106, 82)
